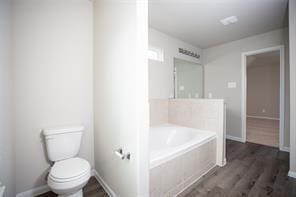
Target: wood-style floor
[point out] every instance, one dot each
(251, 170)
(92, 189)
(263, 131)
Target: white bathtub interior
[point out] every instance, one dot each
(168, 141)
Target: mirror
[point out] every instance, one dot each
(188, 79)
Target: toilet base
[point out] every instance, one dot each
(77, 194)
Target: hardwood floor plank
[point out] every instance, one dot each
(252, 170)
(246, 183)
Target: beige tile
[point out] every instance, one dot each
(198, 123)
(155, 193)
(158, 111)
(212, 124)
(191, 162)
(155, 181)
(173, 192)
(172, 174)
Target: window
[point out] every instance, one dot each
(155, 54)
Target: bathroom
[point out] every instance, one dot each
(84, 112)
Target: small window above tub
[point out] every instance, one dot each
(155, 53)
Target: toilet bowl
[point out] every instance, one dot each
(69, 174)
(67, 177)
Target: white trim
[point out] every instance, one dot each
(285, 149)
(34, 192)
(292, 57)
(105, 186)
(263, 117)
(279, 48)
(292, 174)
(224, 162)
(238, 139)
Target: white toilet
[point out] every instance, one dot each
(69, 174)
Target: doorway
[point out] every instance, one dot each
(263, 96)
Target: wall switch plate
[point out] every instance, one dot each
(181, 88)
(231, 84)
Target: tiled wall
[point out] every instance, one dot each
(158, 111)
(172, 177)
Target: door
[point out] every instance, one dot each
(121, 96)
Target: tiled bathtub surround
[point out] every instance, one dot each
(172, 177)
(204, 114)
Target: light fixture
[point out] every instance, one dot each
(229, 20)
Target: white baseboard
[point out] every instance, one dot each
(224, 162)
(263, 117)
(106, 187)
(34, 192)
(285, 149)
(292, 174)
(238, 139)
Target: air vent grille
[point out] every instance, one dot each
(189, 53)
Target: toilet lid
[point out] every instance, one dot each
(69, 168)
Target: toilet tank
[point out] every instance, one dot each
(62, 143)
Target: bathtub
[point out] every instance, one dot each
(179, 156)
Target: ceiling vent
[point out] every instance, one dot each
(189, 53)
(229, 20)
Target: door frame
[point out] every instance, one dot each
(244, 55)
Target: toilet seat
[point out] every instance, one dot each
(69, 175)
(69, 170)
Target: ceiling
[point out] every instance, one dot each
(198, 21)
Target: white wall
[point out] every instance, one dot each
(292, 37)
(121, 95)
(7, 162)
(52, 80)
(161, 73)
(223, 64)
